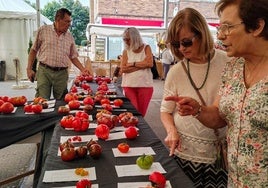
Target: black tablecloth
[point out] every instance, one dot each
(18, 126)
(105, 165)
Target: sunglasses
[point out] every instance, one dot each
(184, 42)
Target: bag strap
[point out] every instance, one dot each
(216, 131)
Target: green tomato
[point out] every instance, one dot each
(145, 161)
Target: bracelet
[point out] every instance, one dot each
(198, 112)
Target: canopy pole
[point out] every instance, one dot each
(38, 12)
(166, 7)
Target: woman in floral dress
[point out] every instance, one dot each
(242, 103)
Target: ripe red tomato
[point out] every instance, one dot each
(98, 97)
(80, 77)
(74, 104)
(73, 89)
(84, 183)
(77, 82)
(107, 79)
(121, 115)
(157, 179)
(70, 96)
(81, 114)
(103, 87)
(95, 151)
(39, 100)
(89, 78)
(102, 131)
(84, 125)
(88, 108)
(131, 132)
(128, 121)
(89, 143)
(76, 124)
(85, 86)
(107, 107)
(68, 154)
(107, 120)
(4, 98)
(18, 101)
(66, 144)
(1, 102)
(7, 108)
(118, 102)
(123, 147)
(105, 101)
(27, 108)
(66, 121)
(81, 151)
(63, 110)
(88, 101)
(37, 108)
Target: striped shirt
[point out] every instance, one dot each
(54, 50)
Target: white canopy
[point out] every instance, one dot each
(18, 22)
(117, 31)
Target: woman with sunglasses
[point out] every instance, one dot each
(242, 102)
(191, 143)
(137, 78)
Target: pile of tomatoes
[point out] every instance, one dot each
(7, 104)
(78, 122)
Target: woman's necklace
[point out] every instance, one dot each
(190, 77)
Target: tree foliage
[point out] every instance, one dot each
(80, 16)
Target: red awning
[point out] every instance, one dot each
(132, 22)
(214, 24)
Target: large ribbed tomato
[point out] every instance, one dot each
(102, 131)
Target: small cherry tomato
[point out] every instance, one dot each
(123, 147)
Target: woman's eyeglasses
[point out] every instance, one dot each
(184, 42)
(224, 29)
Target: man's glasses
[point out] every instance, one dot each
(184, 42)
(224, 29)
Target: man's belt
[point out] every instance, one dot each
(52, 68)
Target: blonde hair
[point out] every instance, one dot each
(192, 19)
(135, 38)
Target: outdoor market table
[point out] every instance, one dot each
(105, 170)
(18, 126)
(106, 175)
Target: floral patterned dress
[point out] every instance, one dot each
(246, 112)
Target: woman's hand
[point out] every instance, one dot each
(185, 105)
(128, 68)
(172, 140)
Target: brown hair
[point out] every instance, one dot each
(191, 18)
(250, 11)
